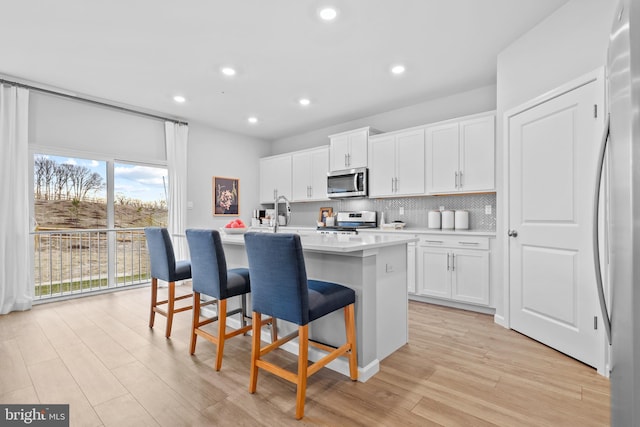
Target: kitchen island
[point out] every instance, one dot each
(375, 267)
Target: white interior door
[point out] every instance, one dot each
(553, 150)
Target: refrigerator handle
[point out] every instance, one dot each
(596, 244)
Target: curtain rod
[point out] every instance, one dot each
(91, 101)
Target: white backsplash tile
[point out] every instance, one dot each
(415, 209)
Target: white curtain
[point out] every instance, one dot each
(176, 139)
(16, 288)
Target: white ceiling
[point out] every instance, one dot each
(143, 52)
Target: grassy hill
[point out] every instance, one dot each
(89, 214)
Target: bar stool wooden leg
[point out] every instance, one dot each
(350, 326)
(170, 307)
(222, 327)
(154, 300)
(255, 350)
(303, 357)
(196, 321)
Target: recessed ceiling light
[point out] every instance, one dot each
(397, 69)
(304, 101)
(252, 120)
(228, 71)
(179, 98)
(328, 13)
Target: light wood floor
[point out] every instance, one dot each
(459, 369)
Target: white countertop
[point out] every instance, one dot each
(339, 243)
(405, 231)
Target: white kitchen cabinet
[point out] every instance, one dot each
(275, 177)
(349, 149)
(460, 156)
(454, 268)
(411, 267)
(396, 164)
(309, 174)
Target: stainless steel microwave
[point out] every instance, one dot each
(347, 183)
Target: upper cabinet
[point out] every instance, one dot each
(309, 174)
(460, 156)
(349, 149)
(275, 177)
(396, 164)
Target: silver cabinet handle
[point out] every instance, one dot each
(456, 180)
(448, 267)
(453, 262)
(433, 241)
(468, 243)
(392, 181)
(596, 243)
(345, 160)
(460, 178)
(512, 233)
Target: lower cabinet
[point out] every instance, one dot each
(411, 268)
(453, 268)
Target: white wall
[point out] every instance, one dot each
(462, 104)
(212, 152)
(569, 43)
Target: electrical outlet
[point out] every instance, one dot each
(487, 209)
(401, 210)
(389, 268)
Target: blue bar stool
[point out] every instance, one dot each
(280, 288)
(165, 267)
(211, 278)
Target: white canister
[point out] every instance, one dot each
(462, 220)
(434, 219)
(448, 218)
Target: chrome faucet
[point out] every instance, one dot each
(275, 208)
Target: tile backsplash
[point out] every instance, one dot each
(415, 209)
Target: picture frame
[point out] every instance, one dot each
(324, 213)
(226, 196)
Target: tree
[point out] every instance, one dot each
(83, 180)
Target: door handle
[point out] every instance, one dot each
(512, 233)
(596, 244)
(448, 266)
(456, 180)
(453, 262)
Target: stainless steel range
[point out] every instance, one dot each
(351, 222)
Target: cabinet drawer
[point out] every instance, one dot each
(460, 242)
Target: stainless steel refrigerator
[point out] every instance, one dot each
(623, 72)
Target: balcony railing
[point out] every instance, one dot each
(72, 262)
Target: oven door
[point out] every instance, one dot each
(347, 183)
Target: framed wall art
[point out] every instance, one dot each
(324, 213)
(226, 196)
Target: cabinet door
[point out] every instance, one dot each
(339, 150)
(411, 268)
(382, 166)
(301, 167)
(319, 169)
(477, 158)
(442, 158)
(358, 148)
(470, 276)
(410, 163)
(275, 175)
(433, 277)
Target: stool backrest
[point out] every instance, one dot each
(208, 263)
(163, 260)
(278, 276)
